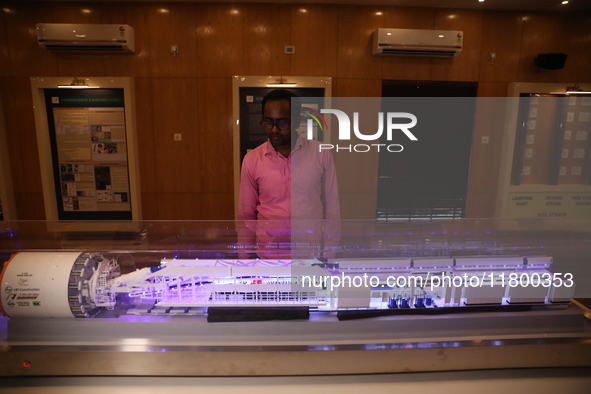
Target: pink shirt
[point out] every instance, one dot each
(278, 189)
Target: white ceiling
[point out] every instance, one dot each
(522, 5)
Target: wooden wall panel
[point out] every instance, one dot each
(358, 174)
(67, 12)
(5, 69)
(175, 101)
(408, 68)
(314, 34)
(220, 43)
(138, 63)
(13, 137)
(22, 137)
(29, 206)
(577, 44)
(480, 205)
(217, 206)
(409, 18)
(466, 66)
(349, 87)
(21, 203)
(172, 24)
(501, 34)
(145, 134)
(35, 207)
(485, 157)
(267, 29)
(27, 58)
(215, 135)
(179, 206)
(150, 206)
(356, 25)
(492, 89)
(541, 34)
(358, 205)
(75, 65)
(357, 177)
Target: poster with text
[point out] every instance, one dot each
(89, 153)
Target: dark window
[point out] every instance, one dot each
(429, 179)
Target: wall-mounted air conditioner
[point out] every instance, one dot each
(66, 37)
(409, 42)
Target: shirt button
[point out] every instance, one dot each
(289, 178)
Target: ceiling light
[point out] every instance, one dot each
(282, 84)
(575, 89)
(77, 84)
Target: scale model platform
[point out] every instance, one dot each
(83, 285)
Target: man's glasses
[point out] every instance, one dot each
(282, 124)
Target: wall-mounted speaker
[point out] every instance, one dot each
(550, 61)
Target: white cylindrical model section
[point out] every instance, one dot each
(36, 284)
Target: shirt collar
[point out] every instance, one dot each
(300, 142)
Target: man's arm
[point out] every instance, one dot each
(247, 209)
(330, 190)
(332, 207)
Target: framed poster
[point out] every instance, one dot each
(89, 153)
(545, 164)
(86, 138)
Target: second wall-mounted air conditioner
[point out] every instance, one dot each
(409, 42)
(64, 37)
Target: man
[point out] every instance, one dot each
(287, 185)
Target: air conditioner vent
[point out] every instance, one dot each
(63, 37)
(409, 42)
(418, 52)
(99, 48)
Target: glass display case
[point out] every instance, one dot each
(114, 290)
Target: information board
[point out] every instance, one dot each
(568, 206)
(89, 153)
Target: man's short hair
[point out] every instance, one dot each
(283, 94)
